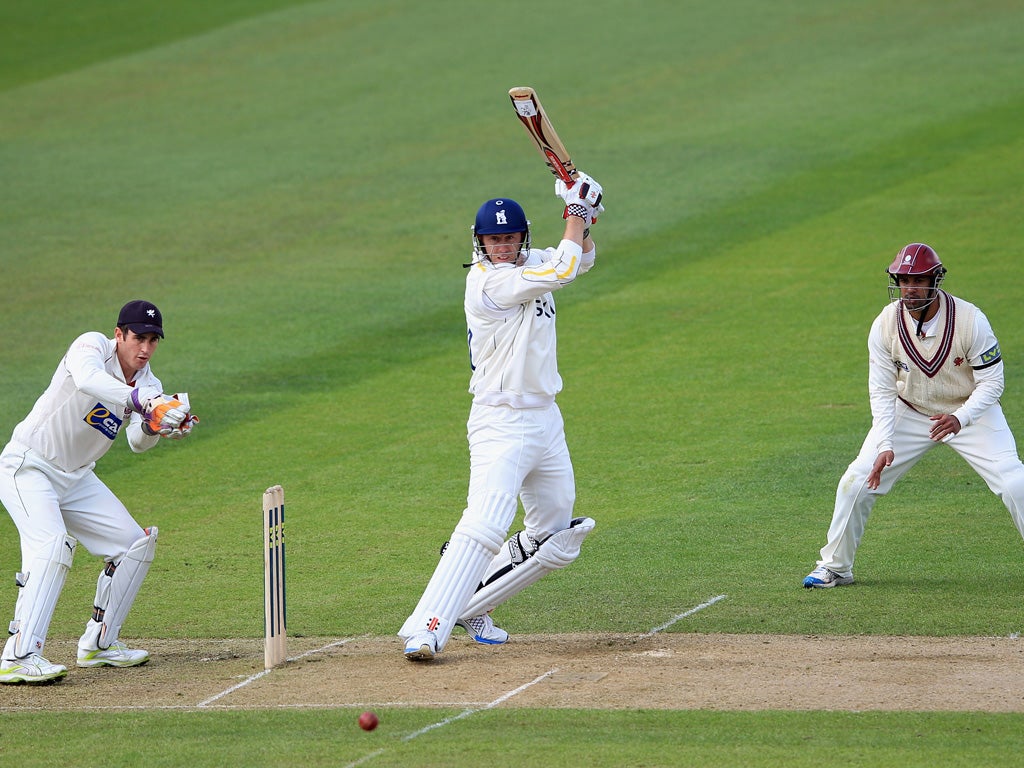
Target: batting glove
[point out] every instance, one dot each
(584, 190)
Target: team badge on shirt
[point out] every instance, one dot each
(102, 419)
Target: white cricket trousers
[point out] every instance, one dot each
(514, 453)
(45, 501)
(986, 445)
(522, 452)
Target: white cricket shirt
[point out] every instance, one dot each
(75, 421)
(510, 314)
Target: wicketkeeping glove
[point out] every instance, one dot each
(184, 430)
(166, 417)
(162, 414)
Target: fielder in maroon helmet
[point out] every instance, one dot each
(917, 263)
(935, 375)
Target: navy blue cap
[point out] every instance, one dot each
(141, 317)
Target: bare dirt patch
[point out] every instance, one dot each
(608, 671)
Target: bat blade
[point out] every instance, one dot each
(535, 119)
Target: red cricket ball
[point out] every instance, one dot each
(368, 721)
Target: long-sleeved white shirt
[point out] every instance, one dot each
(510, 314)
(75, 421)
(956, 369)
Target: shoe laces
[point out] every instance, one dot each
(34, 660)
(117, 646)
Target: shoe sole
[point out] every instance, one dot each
(423, 653)
(86, 664)
(485, 641)
(812, 584)
(479, 638)
(32, 679)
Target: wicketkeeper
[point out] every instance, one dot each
(516, 434)
(101, 387)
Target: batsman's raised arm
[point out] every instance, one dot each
(516, 433)
(574, 187)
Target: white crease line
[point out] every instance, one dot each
(335, 644)
(500, 700)
(233, 688)
(233, 707)
(258, 675)
(683, 615)
(448, 720)
(366, 758)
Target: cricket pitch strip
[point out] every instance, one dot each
(587, 671)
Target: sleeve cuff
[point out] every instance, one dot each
(571, 248)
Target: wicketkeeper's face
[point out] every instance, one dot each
(134, 350)
(502, 248)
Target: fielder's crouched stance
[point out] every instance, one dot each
(935, 375)
(48, 487)
(516, 434)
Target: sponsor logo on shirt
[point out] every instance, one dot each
(991, 356)
(102, 419)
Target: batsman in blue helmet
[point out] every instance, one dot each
(517, 445)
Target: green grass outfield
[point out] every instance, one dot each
(293, 184)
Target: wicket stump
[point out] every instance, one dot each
(274, 604)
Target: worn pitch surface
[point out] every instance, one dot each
(602, 671)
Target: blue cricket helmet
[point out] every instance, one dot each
(500, 216)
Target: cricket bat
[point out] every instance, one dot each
(535, 119)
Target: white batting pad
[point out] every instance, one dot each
(517, 550)
(116, 593)
(475, 541)
(39, 589)
(557, 551)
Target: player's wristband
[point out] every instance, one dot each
(577, 210)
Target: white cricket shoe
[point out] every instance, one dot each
(31, 669)
(825, 578)
(117, 655)
(482, 629)
(421, 647)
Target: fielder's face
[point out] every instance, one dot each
(134, 350)
(916, 291)
(503, 248)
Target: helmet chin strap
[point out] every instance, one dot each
(480, 253)
(920, 322)
(924, 311)
(478, 257)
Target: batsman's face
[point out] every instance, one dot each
(503, 248)
(134, 350)
(917, 291)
